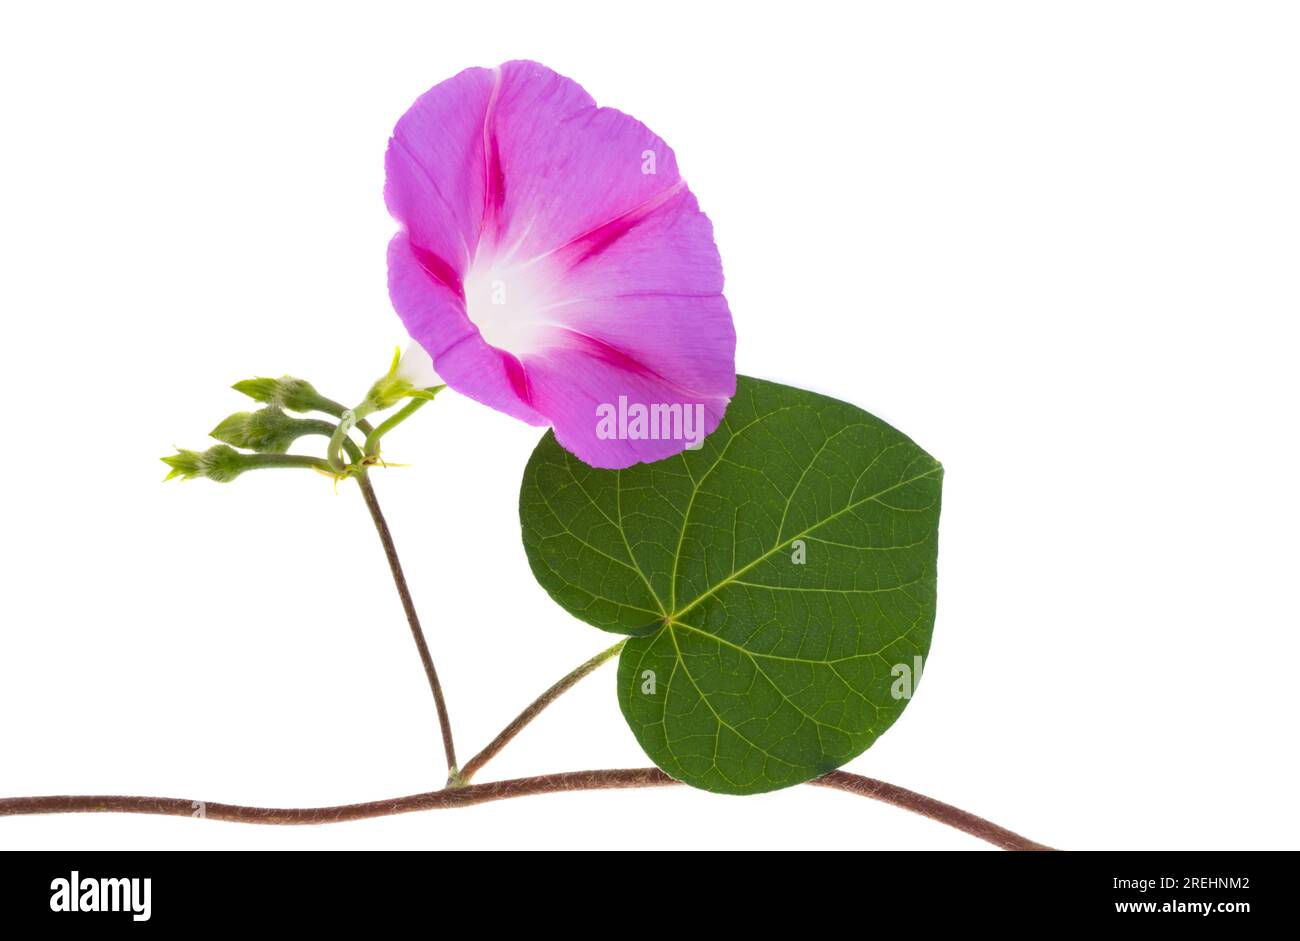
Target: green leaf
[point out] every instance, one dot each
(779, 583)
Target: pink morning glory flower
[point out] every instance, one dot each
(555, 266)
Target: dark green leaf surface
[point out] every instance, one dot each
(774, 581)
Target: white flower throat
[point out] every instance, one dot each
(508, 304)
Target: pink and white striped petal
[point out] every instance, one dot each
(554, 264)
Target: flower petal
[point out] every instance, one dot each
(577, 383)
(433, 168)
(658, 292)
(435, 317)
(416, 367)
(566, 167)
(553, 261)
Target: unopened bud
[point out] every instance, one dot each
(220, 463)
(296, 395)
(268, 430)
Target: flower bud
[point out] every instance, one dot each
(220, 463)
(268, 430)
(296, 395)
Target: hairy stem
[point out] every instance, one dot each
(413, 619)
(340, 435)
(475, 764)
(330, 407)
(954, 817)
(401, 415)
(496, 790)
(409, 409)
(249, 462)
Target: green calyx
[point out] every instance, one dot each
(393, 388)
(184, 465)
(388, 391)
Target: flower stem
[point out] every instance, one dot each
(350, 420)
(391, 422)
(330, 407)
(259, 461)
(498, 790)
(316, 427)
(475, 764)
(413, 619)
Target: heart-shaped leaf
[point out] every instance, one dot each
(779, 583)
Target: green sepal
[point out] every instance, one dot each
(222, 463)
(184, 464)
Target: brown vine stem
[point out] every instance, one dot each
(413, 619)
(497, 790)
(954, 817)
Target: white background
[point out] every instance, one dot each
(1055, 243)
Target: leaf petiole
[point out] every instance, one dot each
(567, 682)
